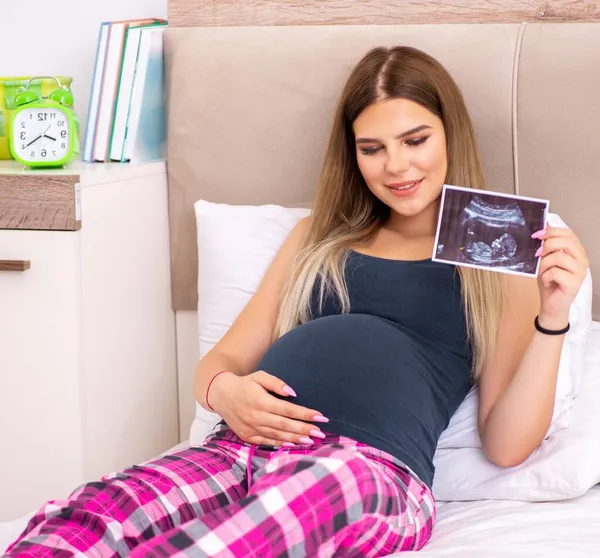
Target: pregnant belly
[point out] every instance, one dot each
(352, 366)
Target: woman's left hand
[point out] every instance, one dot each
(562, 270)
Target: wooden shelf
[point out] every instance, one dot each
(48, 199)
(39, 201)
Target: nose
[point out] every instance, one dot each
(397, 161)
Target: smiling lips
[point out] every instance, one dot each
(404, 188)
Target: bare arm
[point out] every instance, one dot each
(242, 347)
(518, 386)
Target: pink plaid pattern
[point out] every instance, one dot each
(338, 497)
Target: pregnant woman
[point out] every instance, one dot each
(336, 381)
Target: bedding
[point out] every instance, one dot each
(501, 529)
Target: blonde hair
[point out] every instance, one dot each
(346, 213)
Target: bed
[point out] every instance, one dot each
(249, 109)
(251, 128)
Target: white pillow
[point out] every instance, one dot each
(236, 245)
(565, 466)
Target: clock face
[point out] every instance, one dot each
(42, 134)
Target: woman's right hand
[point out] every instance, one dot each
(248, 406)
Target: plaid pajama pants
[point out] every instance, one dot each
(225, 498)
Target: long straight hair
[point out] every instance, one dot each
(346, 213)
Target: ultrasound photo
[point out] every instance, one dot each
(489, 230)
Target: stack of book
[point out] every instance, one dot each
(126, 115)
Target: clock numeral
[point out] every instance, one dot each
(32, 155)
(43, 153)
(54, 153)
(60, 123)
(23, 135)
(42, 116)
(63, 134)
(52, 115)
(23, 147)
(23, 124)
(63, 145)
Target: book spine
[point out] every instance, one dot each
(113, 64)
(95, 92)
(119, 123)
(137, 94)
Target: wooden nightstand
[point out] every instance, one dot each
(88, 380)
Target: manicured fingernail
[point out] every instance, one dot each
(289, 391)
(320, 418)
(539, 234)
(306, 440)
(317, 434)
(539, 251)
(288, 445)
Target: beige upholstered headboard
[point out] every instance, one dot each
(249, 111)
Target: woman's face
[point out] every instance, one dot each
(401, 153)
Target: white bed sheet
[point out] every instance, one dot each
(491, 528)
(504, 528)
(9, 531)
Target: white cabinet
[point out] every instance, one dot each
(87, 340)
(40, 429)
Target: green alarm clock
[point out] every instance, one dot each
(44, 131)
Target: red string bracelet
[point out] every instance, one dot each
(208, 388)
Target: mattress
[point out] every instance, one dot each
(493, 528)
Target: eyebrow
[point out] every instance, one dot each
(402, 135)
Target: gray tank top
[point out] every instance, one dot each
(392, 371)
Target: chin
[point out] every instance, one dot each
(406, 207)
(408, 210)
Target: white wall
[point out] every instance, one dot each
(59, 37)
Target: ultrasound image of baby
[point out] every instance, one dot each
(488, 230)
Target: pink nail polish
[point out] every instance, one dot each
(289, 391)
(539, 251)
(306, 440)
(317, 434)
(288, 445)
(320, 418)
(539, 234)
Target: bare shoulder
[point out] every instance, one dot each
(286, 255)
(292, 244)
(302, 227)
